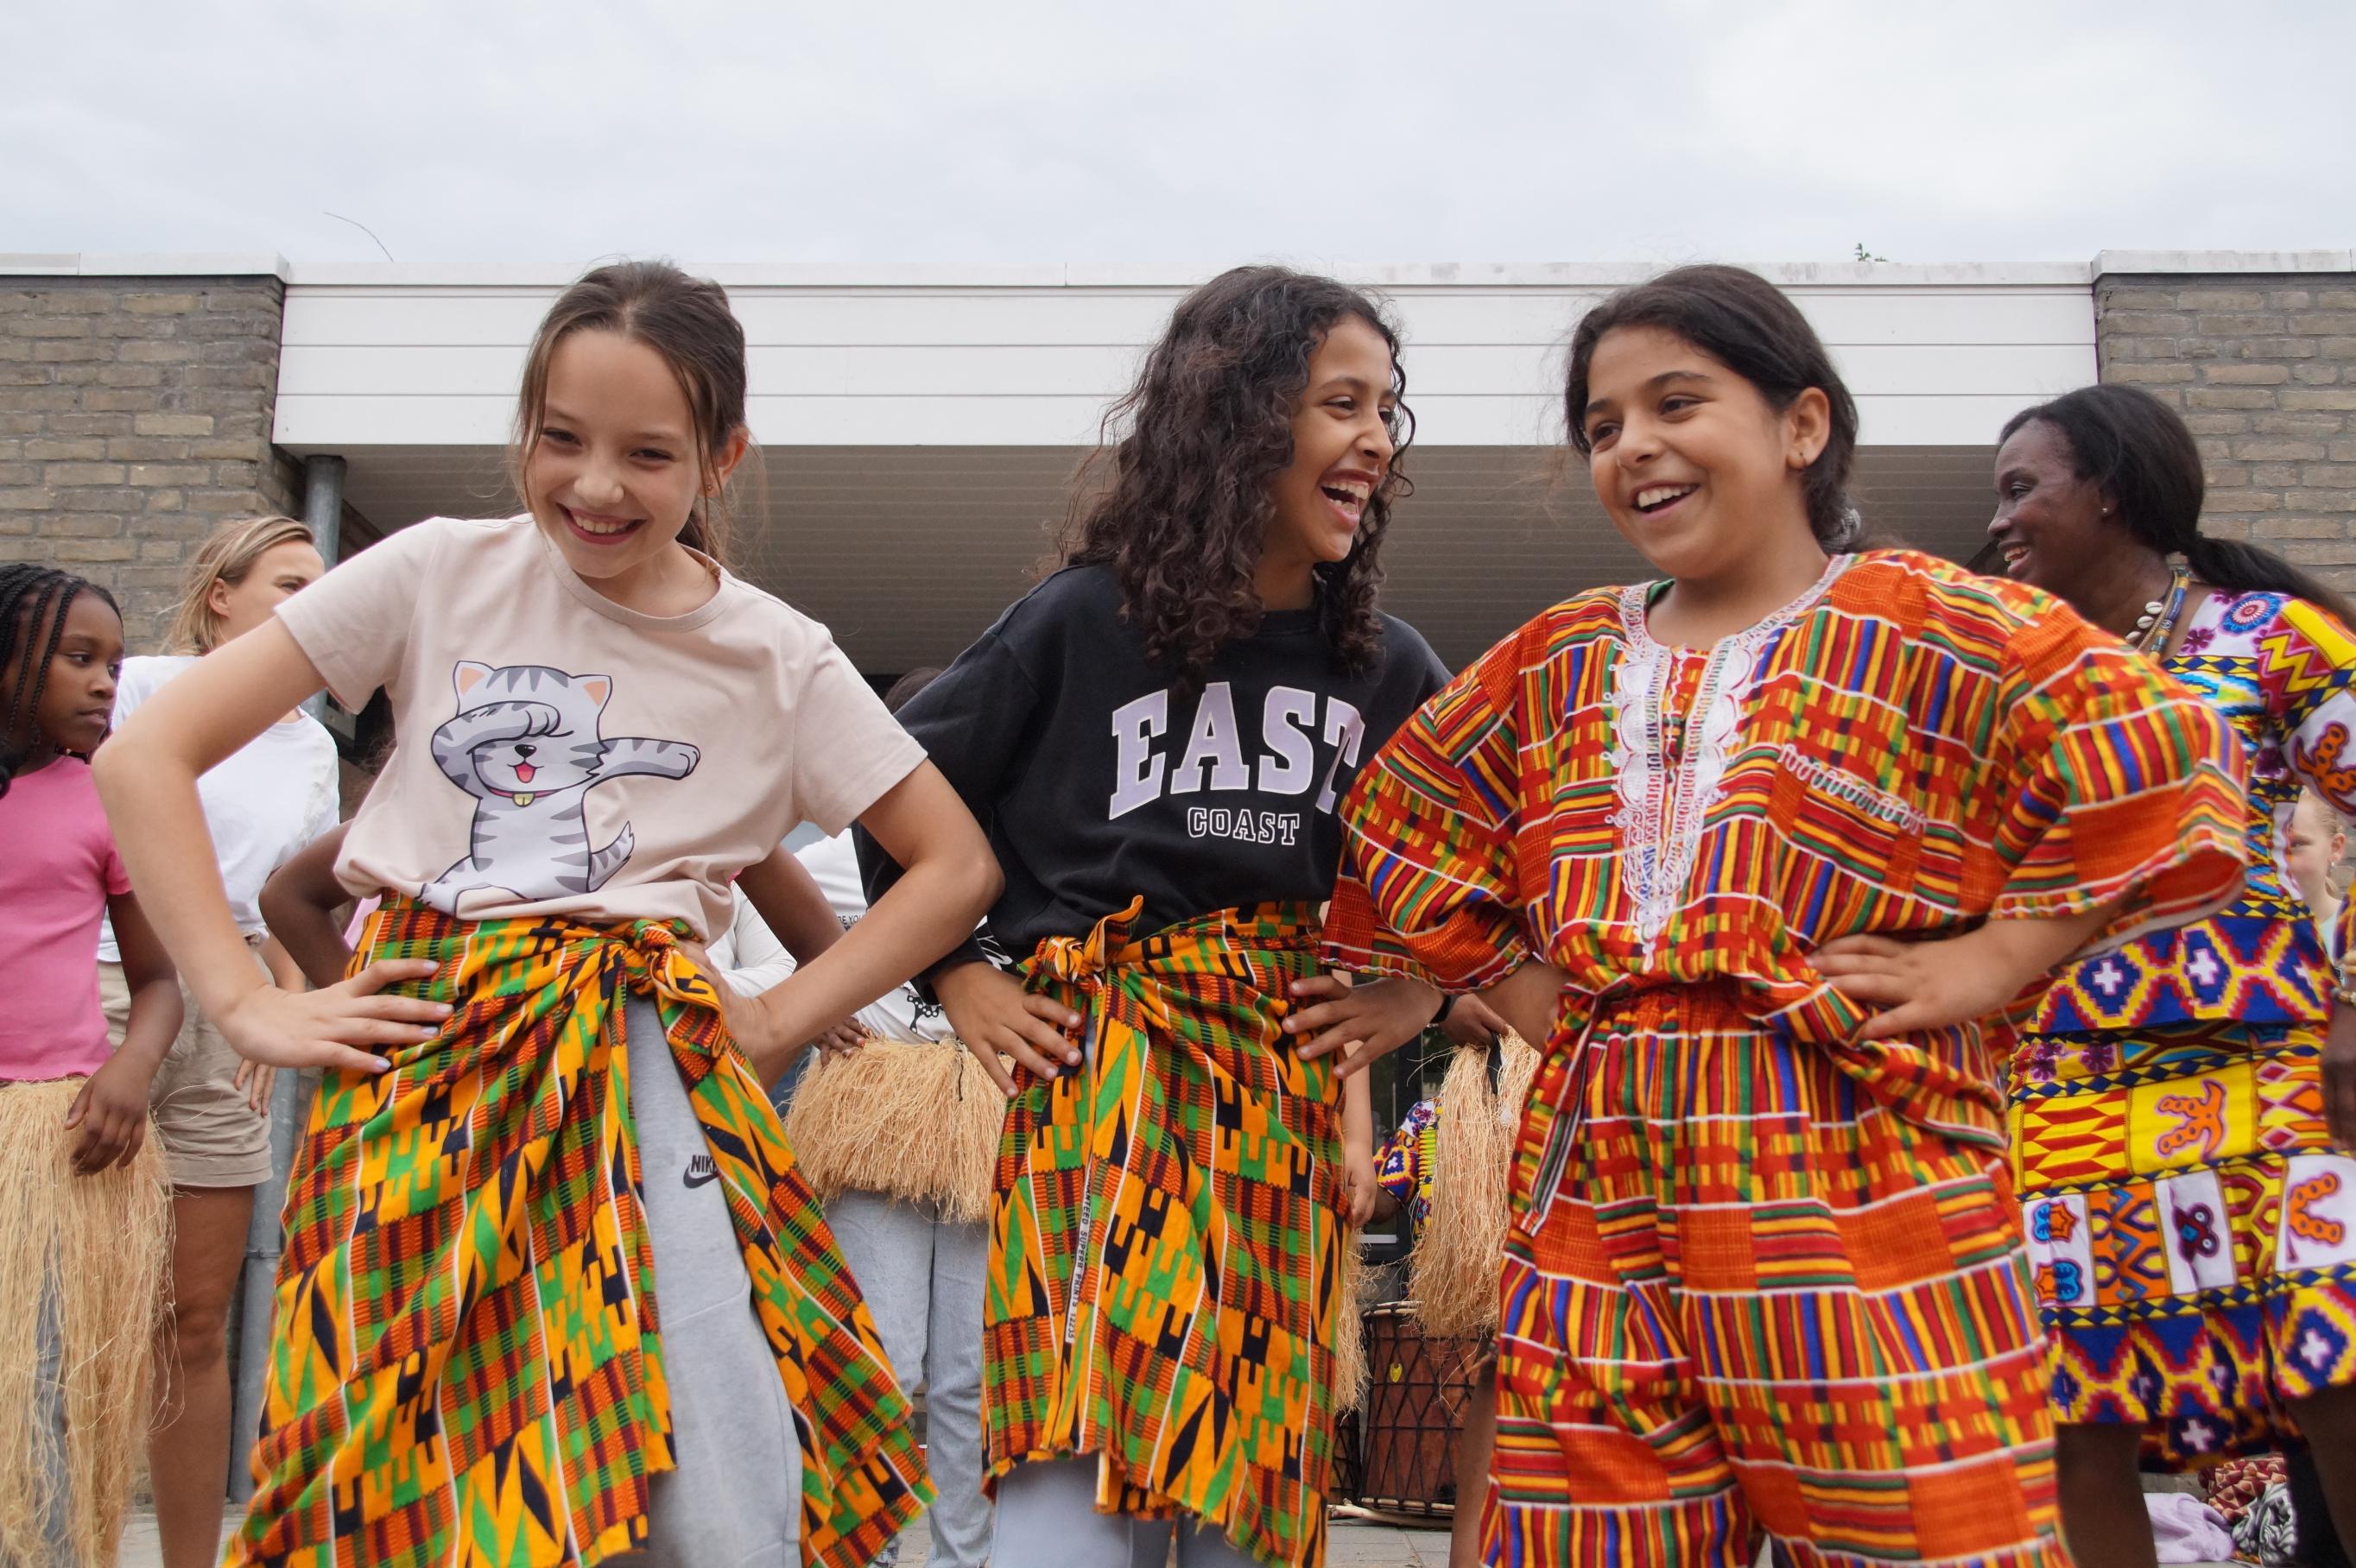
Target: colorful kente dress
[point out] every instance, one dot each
(1405, 1164)
(2194, 1228)
(1762, 1276)
(1166, 1235)
(466, 1362)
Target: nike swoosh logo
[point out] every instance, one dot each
(699, 1172)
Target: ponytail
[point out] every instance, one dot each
(2135, 450)
(2252, 569)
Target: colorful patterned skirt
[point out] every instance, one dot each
(1748, 1290)
(466, 1356)
(1166, 1235)
(2193, 1230)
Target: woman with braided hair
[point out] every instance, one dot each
(84, 1224)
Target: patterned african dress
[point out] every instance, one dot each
(2194, 1229)
(1762, 1276)
(1166, 1235)
(466, 1361)
(1405, 1164)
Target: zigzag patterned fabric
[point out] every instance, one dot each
(1406, 1164)
(2193, 1226)
(466, 1359)
(1166, 1235)
(1903, 751)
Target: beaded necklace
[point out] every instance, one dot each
(2157, 621)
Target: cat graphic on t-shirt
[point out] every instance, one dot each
(525, 745)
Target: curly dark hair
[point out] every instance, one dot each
(1180, 506)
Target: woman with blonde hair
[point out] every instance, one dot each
(262, 803)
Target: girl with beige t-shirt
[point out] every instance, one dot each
(551, 1275)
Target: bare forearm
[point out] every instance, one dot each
(168, 850)
(1357, 1113)
(1528, 999)
(2024, 949)
(929, 910)
(309, 936)
(792, 905)
(155, 1019)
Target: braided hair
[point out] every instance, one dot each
(33, 603)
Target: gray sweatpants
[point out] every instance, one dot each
(922, 1277)
(1047, 1518)
(736, 1496)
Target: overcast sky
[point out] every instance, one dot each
(1189, 131)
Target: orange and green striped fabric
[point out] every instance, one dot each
(1166, 1235)
(466, 1361)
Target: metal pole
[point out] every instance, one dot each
(323, 508)
(290, 1103)
(323, 501)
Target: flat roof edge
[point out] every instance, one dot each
(1162, 275)
(83, 265)
(2114, 261)
(1552, 276)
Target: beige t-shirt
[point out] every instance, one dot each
(559, 754)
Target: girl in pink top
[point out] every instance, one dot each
(83, 1225)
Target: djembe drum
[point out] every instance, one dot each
(1413, 1413)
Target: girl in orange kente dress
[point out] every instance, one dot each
(1750, 850)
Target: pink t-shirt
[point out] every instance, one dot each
(56, 875)
(559, 754)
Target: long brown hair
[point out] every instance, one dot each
(1180, 506)
(687, 321)
(227, 554)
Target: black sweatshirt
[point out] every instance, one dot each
(1098, 783)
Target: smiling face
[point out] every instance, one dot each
(614, 469)
(1342, 450)
(78, 697)
(1694, 466)
(277, 573)
(2051, 527)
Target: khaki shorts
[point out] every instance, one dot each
(211, 1135)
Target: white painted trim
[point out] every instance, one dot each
(1164, 275)
(72, 264)
(1160, 275)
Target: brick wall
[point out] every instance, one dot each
(134, 414)
(2263, 366)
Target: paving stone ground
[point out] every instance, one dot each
(1356, 1544)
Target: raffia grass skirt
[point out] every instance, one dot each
(1452, 1272)
(917, 1120)
(91, 1251)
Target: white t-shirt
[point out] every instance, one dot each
(748, 954)
(265, 803)
(560, 754)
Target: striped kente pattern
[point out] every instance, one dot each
(1763, 1276)
(466, 1361)
(1908, 751)
(1166, 1235)
(1754, 1299)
